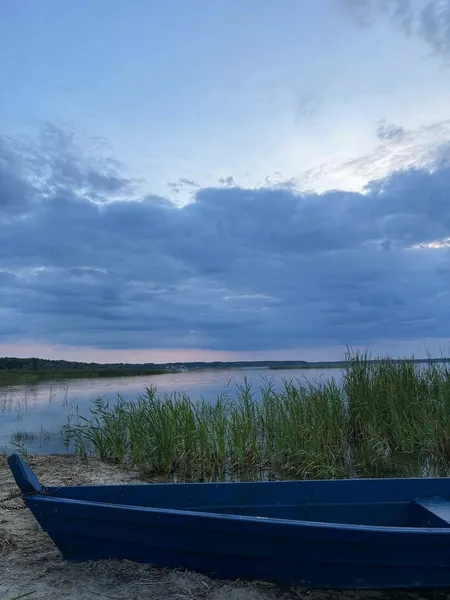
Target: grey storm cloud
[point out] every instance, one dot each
(84, 260)
(428, 20)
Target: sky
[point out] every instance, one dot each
(219, 180)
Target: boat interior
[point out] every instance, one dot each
(357, 504)
(407, 502)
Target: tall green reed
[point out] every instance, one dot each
(384, 418)
(398, 410)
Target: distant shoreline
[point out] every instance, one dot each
(342, 364)
(10, 377)
(34, 370)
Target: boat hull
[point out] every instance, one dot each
(354, 534)
(226, 546)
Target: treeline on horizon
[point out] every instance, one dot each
(42, 364)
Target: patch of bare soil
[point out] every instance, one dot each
(31, 567)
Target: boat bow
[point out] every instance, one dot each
(26, 480)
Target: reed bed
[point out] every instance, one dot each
(387, 418)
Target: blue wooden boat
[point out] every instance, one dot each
(356, 533)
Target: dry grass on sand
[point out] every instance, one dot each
(31, 567)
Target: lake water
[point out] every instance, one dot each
(43, 408)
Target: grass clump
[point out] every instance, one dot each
(298, 431)
(398, 411)
(386, 417)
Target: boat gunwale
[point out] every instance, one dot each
(216, 484)
(230, 517)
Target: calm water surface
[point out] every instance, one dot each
(42, 408)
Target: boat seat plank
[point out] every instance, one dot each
(435, 510)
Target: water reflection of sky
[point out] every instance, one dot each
(47, 405)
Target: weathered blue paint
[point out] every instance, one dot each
(359, 533)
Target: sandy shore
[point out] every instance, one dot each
(30, 564)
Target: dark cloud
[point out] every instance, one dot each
(55, 161)
(433, 25)
(15, 191)
(389, 132)
(182, 183)
(428, 20)
(238, 269)
(227, 181)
